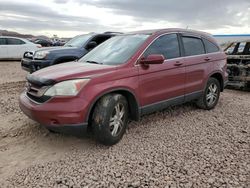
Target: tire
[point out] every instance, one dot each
(110, 119)
(210, 96)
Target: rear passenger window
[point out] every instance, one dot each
(193, 46)
(12, 41)
(210, 47)
(167, 45)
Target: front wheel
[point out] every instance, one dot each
(110, 119)
(210, 96)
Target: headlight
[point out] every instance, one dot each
(41, 55)
(66, 88)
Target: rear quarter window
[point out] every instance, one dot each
(210, 47)
(193, 46)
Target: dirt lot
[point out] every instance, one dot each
(179, 147)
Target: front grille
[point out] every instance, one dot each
(36, 93)
(38, 99)
(25, 65)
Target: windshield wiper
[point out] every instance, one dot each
(94, 62)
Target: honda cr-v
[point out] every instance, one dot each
(124, 78)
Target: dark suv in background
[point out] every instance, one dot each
(43, 42)
(74, 49)
(125, 77)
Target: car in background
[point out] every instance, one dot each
(238, 64)
(43, 42)
(125, 77)
(58, 42)
(13, 48)
(74, 49)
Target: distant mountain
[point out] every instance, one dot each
(16, 34)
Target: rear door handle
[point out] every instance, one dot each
(178, 63)
(207, 59)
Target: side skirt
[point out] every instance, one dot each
(170, 102)
(193, 96)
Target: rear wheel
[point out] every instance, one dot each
(110, 119)
(210, 96)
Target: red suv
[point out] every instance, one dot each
(124, 78)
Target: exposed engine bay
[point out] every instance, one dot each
(238, 64)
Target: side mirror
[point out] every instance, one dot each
(153, 59)
(91, 45)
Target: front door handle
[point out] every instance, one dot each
(178, 63)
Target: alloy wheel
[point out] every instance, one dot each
(212, 94)
(116, 121)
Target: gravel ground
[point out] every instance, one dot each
(178, 147)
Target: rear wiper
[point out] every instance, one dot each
(94, 62)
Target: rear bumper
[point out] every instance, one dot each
(31, 65)
(61, 115)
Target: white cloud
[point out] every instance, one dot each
(72, 17)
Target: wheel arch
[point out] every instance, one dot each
(134, 109)
(219, 77)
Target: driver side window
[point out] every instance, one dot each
(166, 45)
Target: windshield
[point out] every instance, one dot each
(78, 41)
(116, 50)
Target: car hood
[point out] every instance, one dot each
(56, 49)
(72, 70)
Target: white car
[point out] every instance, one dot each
(14, 48)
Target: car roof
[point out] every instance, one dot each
(177, 30)
(23, 39)
(159, 31)
(93, 35)
(108, 33)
